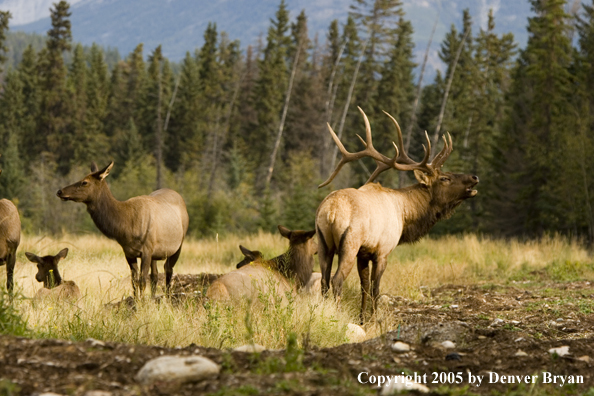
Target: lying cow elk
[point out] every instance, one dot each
(368, 223)
(10, 237)
(48, 273)
(150, 227)
(255, 275)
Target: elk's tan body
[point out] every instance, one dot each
(366, 224)
(287, 273)
(10, 237)
(150, 227)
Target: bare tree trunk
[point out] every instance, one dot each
(330, 98)
(171, 104)
(413, 112)
(347, 103)
(159, 137)
(216, 148)
(281, 126)
(447, 90)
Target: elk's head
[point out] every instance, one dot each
(86, 189)
(249, 256)
(47, 268)
(447, 189)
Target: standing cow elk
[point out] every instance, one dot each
(255, 275)
(48, 273)
(10, 237)
(368, 223)
(150, 227)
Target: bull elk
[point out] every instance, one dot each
(48, 273)
(254, 274)
(10, 237)
(366, 224)
(150, 227)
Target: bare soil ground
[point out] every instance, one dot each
(506, 329)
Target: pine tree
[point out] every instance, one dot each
(28, 75)
(4, 18)
(533, 176)
(55, 117)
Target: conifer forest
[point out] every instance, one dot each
(240, 130)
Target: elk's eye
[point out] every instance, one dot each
(444, 179)
(84, 183)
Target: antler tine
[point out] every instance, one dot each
(443, 155)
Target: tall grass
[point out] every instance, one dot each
(98, 266)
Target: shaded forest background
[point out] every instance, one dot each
(240, 132)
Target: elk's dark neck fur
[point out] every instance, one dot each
(48, 283)
(421, 212)
(294, 264)
(106, 212)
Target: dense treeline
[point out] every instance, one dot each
(240, 132)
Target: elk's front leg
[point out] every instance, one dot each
(132, 262)
(10, 262)
(145, 265)
(154, 277)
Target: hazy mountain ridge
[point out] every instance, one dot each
(179, 24)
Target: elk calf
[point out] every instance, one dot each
(150, 227)
(10, 237)
(255, 275)
(368, 223)
(47, 272)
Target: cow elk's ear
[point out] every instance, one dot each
(284, 231)
(94, 167)
(32, 258)
(422, 178)
(62, 254)
(252, 255)
(103, 173)
(309, 234)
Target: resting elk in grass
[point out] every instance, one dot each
(255, 275)
(10, 237)
(150, 227)
(368, 223)
(47, 272)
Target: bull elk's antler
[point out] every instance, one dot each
(401, 161)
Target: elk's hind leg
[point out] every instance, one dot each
(347, 253)
(326, 256)
(10, 263)
(169, 264)
(379, 266)
(363, 268)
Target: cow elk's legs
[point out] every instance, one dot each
(363, 268)
(169, 264)
(132, 262)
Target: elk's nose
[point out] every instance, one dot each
(59, 193)
(475, 178)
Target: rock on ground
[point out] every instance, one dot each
(179, 369)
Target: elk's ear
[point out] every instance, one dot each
(62, 254)
(284, 231)
(102, 174)
(422, 178)
(94, 167)
(32, 258)
(309, 234)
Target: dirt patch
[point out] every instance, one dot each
(507, 330)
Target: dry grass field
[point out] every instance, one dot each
(98, 266)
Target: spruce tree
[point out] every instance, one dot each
(4, 19)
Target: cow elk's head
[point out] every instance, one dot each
(446, 188)
(86, 189)
(47, 268)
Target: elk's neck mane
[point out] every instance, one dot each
(421, 212)
(287, 262)
(107, 213)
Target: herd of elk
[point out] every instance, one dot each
(254, 275)
(366, 224)
(150, 227)
(10, 237)
(363, 224)
(48, 273)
